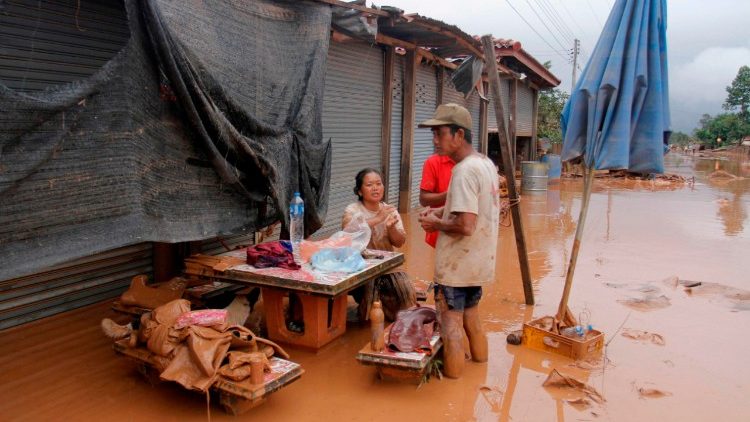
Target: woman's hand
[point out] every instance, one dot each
(391, 220)
(384, 213)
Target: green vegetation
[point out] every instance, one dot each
(728, 127)
(551, 103)
(681, 139)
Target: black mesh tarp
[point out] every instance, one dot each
(204, 124)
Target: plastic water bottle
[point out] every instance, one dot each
(296, 225)
(573, 332)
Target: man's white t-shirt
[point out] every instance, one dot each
(462, 261)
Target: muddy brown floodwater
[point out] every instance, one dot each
(684, 355)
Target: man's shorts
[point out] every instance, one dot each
(460, 298)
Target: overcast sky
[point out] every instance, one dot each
(707, 41)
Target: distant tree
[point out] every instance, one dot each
(680, 138)
(727, 126)
(739, 92)
(551, 103)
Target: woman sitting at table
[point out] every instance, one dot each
(394, 290)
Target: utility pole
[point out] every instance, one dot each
(576, 49)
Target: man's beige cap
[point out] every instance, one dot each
(449, 114)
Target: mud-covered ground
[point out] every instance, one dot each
(673, 352)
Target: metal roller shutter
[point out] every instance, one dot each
(72, 285)
(426, 101)
(524, 110)
(505, 98)
(397, 107)
(55, 42)
(352, 118)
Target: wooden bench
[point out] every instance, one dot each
(400, 366)
(236, 397)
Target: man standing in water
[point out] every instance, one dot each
(467, 237)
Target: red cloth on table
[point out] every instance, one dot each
(271, 254)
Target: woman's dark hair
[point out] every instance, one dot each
(360, 178)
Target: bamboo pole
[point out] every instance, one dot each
(494, 79)
(588, 181)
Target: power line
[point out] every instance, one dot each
(532, 28)
(554, 16)
(574, 20)
(545, 25)
(594, 13)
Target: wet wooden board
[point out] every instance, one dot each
(305, 279)
(194, 294)
(135, 311)
(236, 397)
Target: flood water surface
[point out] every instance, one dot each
(658, 261)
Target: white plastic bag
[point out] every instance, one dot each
(357, 230)
(355, 235)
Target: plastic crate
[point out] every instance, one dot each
(533, 337)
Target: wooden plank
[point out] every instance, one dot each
(523, 258)
(407, 134)
(385, 127)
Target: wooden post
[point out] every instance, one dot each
(407, 129)
(483, 106)
(440, 81)
(385, 129)
(494, 79)
(513, 119)
(534, 122)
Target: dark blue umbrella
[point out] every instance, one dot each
(617, 116)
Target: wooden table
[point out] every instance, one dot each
(318, 291)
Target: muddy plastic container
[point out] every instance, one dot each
(534, 338)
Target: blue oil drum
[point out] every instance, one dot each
(555, 166)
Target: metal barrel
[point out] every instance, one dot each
(555, 166)
(533, 176)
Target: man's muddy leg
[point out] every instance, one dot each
(477, 337)
(451, 324)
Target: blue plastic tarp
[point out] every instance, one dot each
(618, 115)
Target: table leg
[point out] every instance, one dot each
(318, 331)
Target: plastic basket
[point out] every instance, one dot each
(533, 337)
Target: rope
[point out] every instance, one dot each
(505, 211)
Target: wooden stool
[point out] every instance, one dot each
(318, 329)
(236, 397)
(410, 367)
